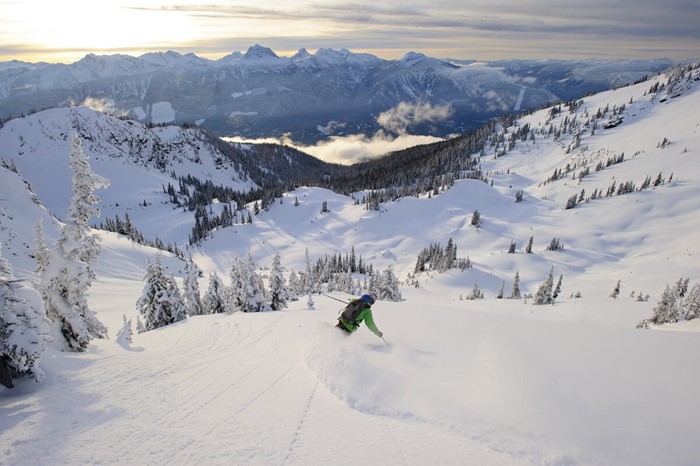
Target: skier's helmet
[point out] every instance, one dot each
(369, 299)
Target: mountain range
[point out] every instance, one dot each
(307, 96)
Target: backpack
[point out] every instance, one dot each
(352, 311)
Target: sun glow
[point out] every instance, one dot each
(80, 26)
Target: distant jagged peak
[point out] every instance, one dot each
(332, 56)
(413, 59)
(259, 52)
(92, 58)
(301, 54)
(170, 57)
(234, 56)
(93, 65)
(413, 56)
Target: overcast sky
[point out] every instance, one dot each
(65, 30)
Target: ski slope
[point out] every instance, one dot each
(464, 382)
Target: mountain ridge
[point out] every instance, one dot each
(261, 94)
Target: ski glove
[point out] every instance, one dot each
(380, 334)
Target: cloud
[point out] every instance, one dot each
(355, 148)
(399, 118)
(103, 105)
(347, 150)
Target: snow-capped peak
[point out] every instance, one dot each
(259, 52)
(413, 56)
(301, 54)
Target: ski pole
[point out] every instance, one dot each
(387, 343)
(340, 300)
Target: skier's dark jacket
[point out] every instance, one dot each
(364, 314)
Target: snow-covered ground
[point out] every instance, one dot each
(486, 381)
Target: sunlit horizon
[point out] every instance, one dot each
(64, 32)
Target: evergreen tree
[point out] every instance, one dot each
(528, 249)
(692, 303)
(296, 288)
(214, 301)
(616, 291)
(236, 292)
(179, 308)
(247, 292)
(387, 286)
(544, 292)
(557, 289)
(666, 309)
(682, 287)
(515, 290)
(67, 272)
(192, 295)
(476, 219)
(279, 294)
(476, 293)
(139, 325)
(160, 303)
(308, 279)
(124, 336)
(41, 250)
(555, 245)
(24, 329)
(499, 295)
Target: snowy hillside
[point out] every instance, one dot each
(138, 161)
(482, 381)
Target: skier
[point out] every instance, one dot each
(355, 312)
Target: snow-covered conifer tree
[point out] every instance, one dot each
(616, 291)
(177, 303)
(160, 303)
(41, 250)
(476, 293)
(501, 290)
(476, 219)
(140, 328)
(387, 287)
(24, 329)
(515, 290)
(192, 296)
(256, 289)
(67, 272)
(666, 309)
(236, 291)
(544, 292)
(124, 336)
(295, 289)
(692, 303)
(246, 292)
(557, 289)
(214, 300)
(682, 287)
(308, 281)
(279, 294)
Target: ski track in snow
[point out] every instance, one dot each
(300, 426)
